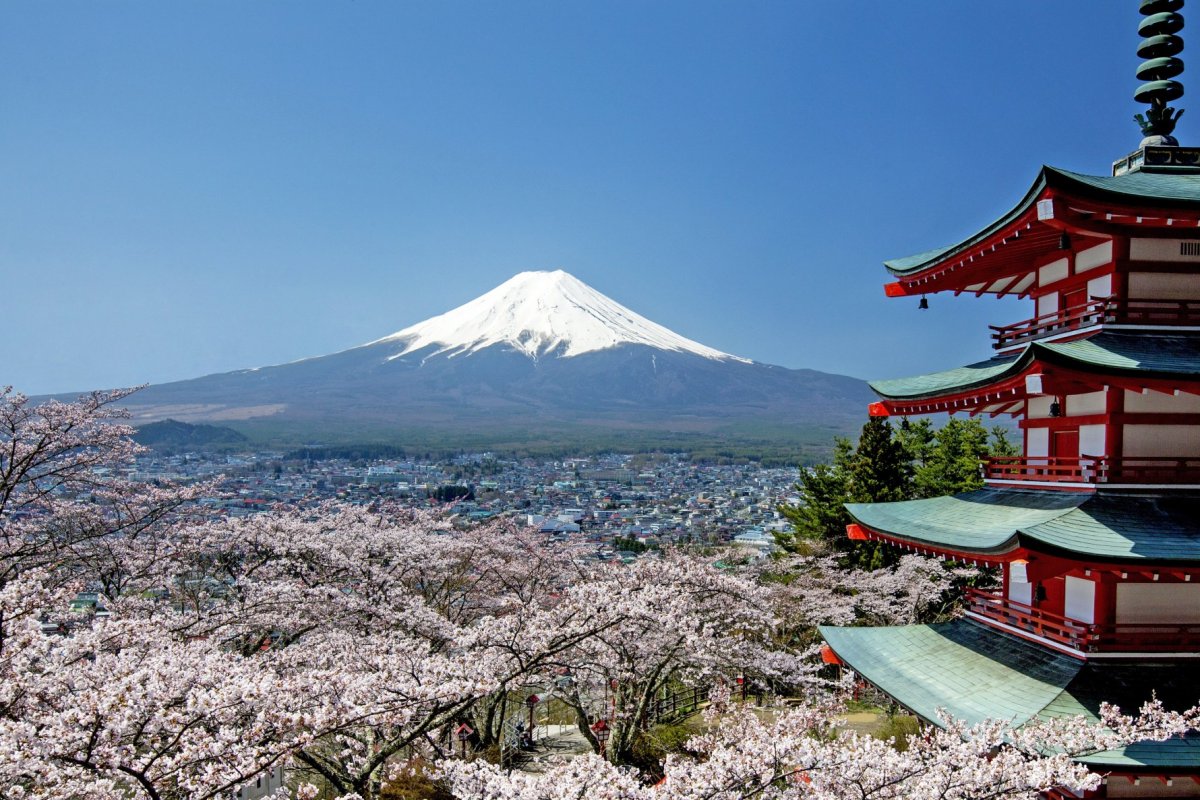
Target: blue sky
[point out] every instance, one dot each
(192, 188)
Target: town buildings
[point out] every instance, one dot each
(609, 501)
(1095, 530)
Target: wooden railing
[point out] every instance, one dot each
(1157, 469)
(1155, 312)
(1092, 312)
(1100, 310)
(995, 607)
(1171, 470)
(1131, 637)
(1042, 468)
(679, 703)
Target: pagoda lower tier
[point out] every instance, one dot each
(1103, 575)
(966, 671)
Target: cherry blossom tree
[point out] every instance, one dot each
(816, 590)
(397, 625)
(680, 620)
(805, 753)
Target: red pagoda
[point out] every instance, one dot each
(1096, 528)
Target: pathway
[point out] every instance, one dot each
(557, 743)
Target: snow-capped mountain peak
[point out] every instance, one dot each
(542, 312)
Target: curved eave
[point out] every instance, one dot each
(955, 381)
(975, 673)
(1000, 258)
(1119, 529)
(910, 266)
(1163, 363)
(996, 525)
(984, 524)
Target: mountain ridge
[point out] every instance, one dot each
(543, 354)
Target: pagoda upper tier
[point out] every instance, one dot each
(1167, 363)
(1065, 215)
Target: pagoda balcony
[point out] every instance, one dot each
(1101, 311)
(1095, 470)
(993, 609)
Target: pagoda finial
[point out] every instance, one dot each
(1159, 47)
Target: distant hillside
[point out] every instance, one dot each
(171, 434)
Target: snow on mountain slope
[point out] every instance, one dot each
(542, 312)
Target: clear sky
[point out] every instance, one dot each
(196, 187)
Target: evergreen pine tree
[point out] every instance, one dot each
(882, 468)
(823, 491)
(881, 472)
(953, 465)
(890, 462)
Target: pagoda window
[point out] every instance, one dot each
(1050, 595)
(1053, 272)
(1080, 600)
(1145, 603)
(1161, 441)
(1020, 592)
(1180, 251)
(1094, 257)
(1037, 442)
(1064, 443)
(1164, 285)
(1146, 786)
(1074, 297)
(1159, 403)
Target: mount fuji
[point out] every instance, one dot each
(541, 358)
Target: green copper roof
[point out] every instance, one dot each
(1109, 352)
(985, 521)
(974, 673)
(1128, 352)
(1131, 188)
(1167, 188)
(1114, 527)
(1100, 526)
(954, 380)
(901, 265)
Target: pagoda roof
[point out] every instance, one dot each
(1141, 354)
(975, 673)
(996, 523)
(1087, 204)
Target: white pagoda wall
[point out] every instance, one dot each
(1141, 441)
(1158, 602)
(1164, 286)
(1159, 403)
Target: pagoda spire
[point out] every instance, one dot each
(1160, 47)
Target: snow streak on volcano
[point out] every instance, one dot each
(539, 314)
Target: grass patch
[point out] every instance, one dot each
(898, 727)
(653, 746)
